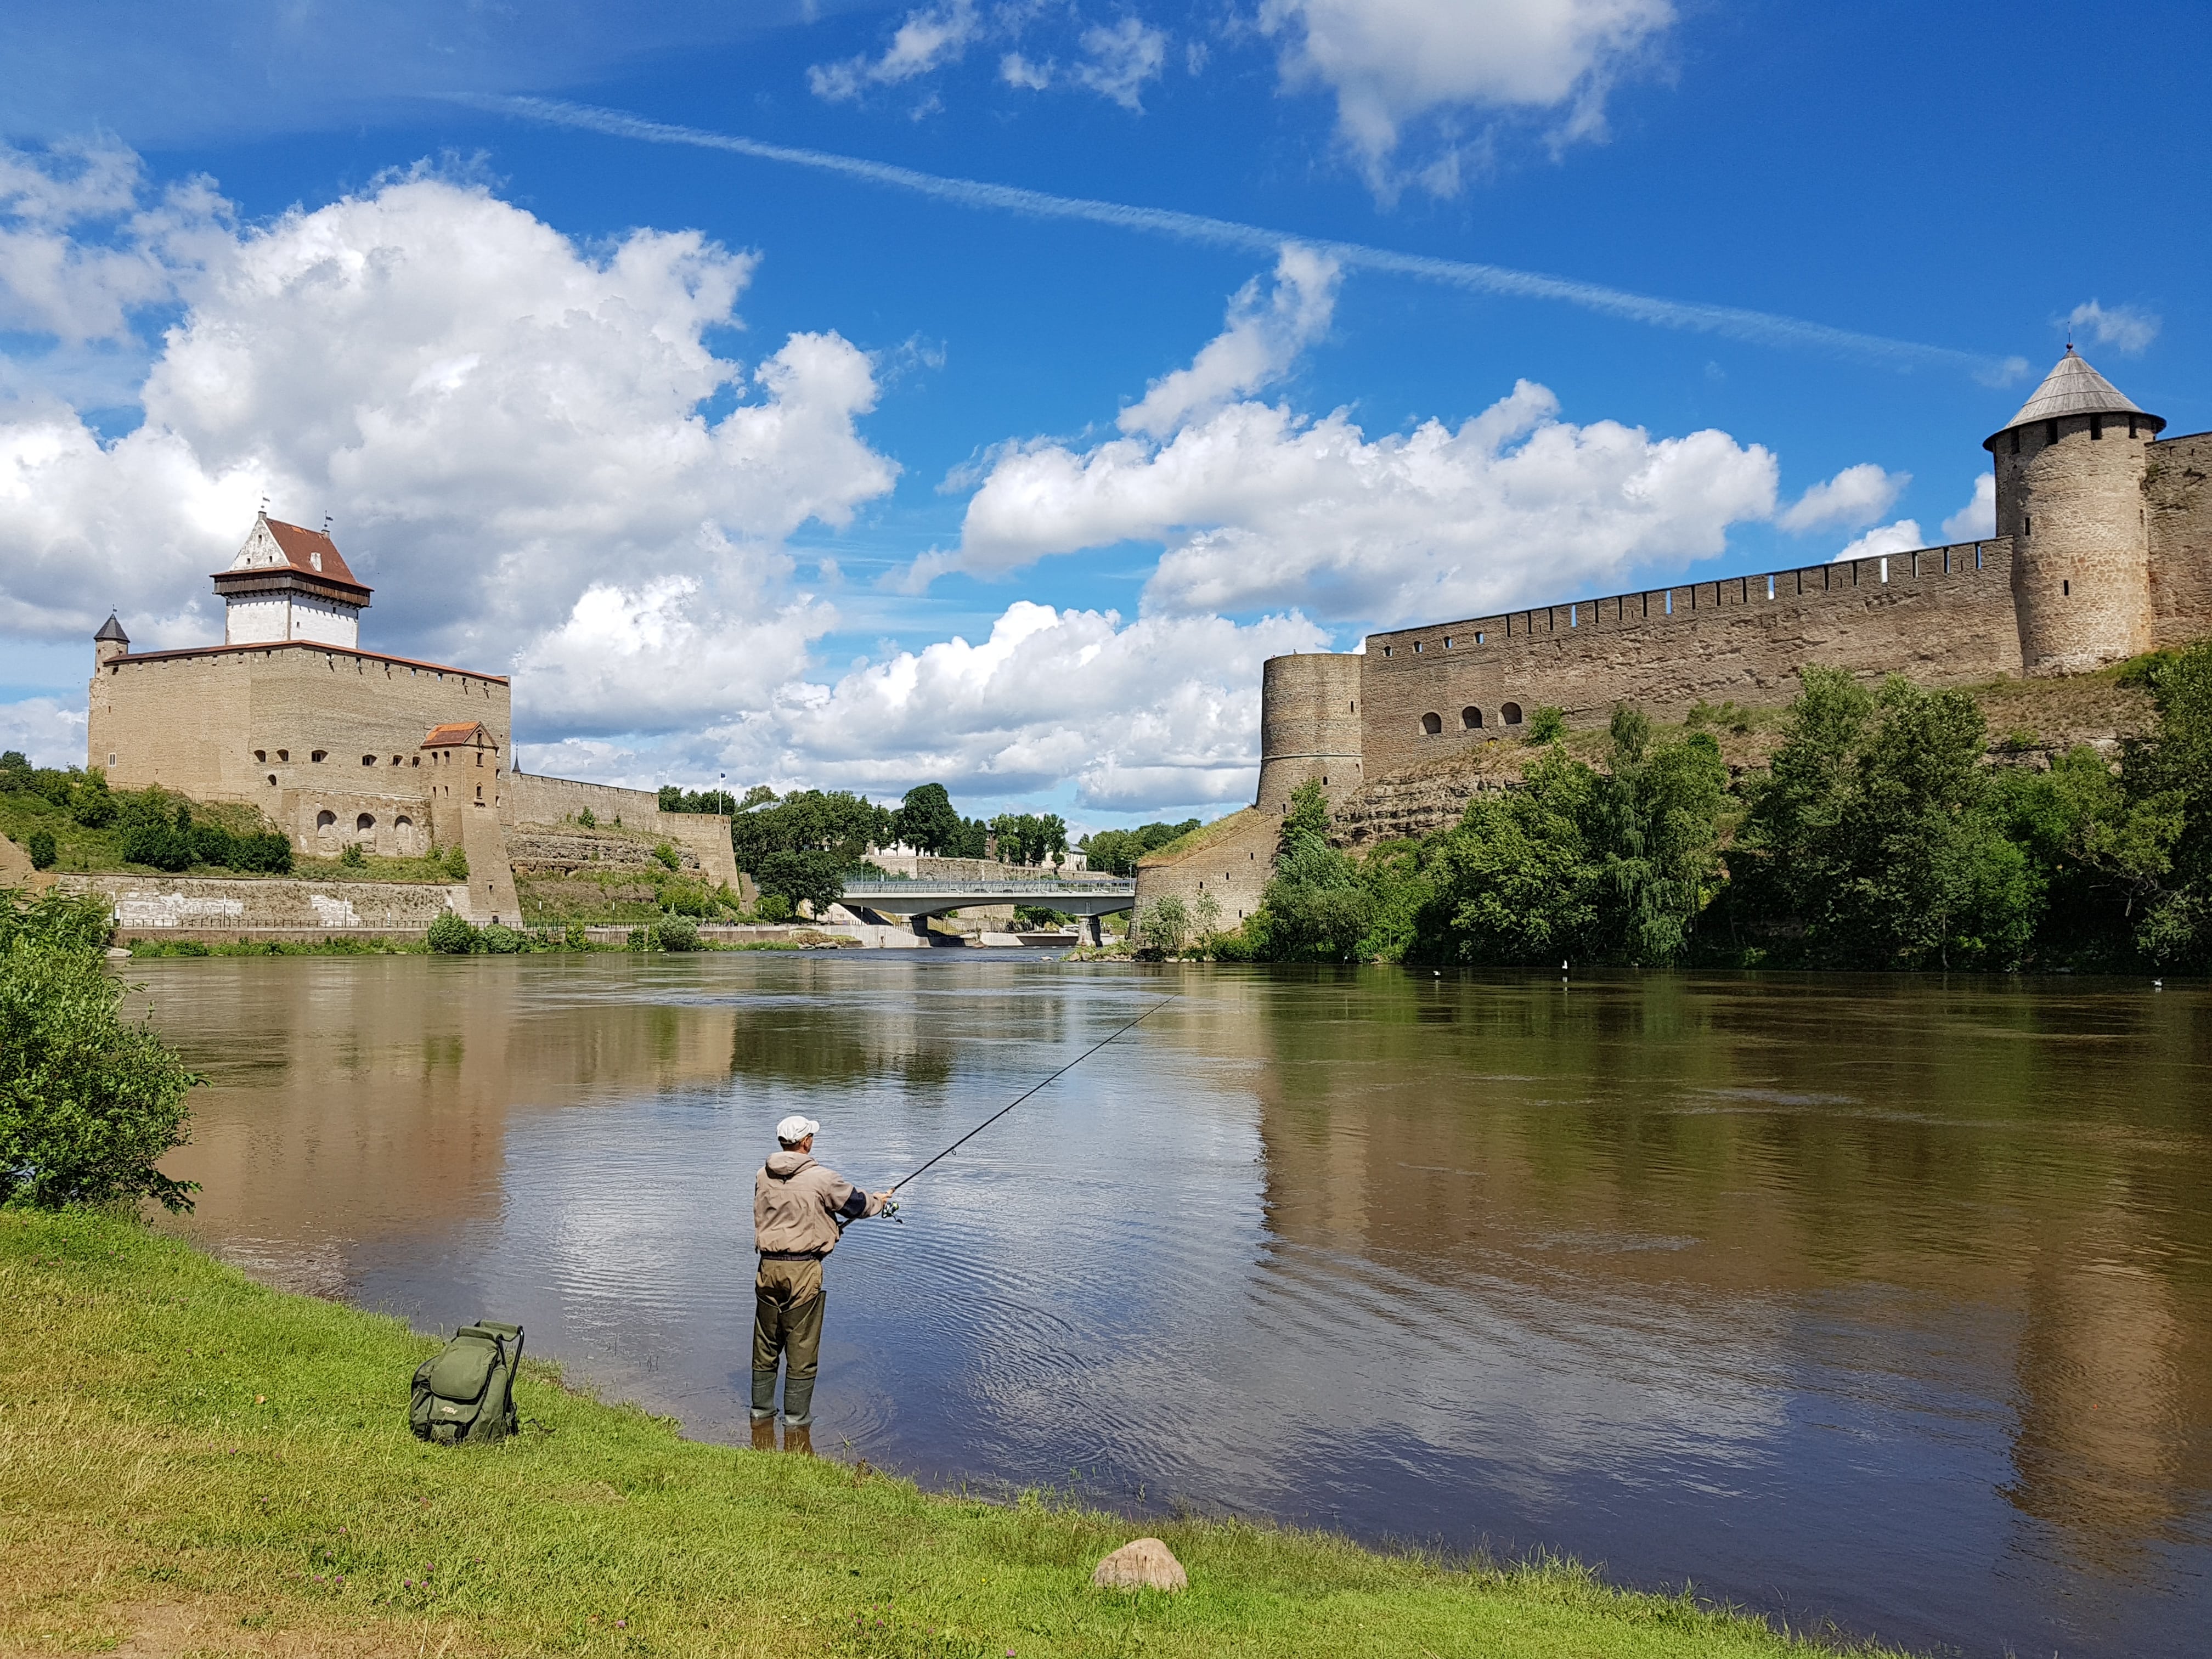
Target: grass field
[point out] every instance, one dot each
(190, 1463)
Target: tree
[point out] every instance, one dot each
(926, 822)
(1117, 850)
(1516, 882)
(1031, 838)
(2168, 777)
(800, 847)
(1315, 907)
(41, 848)
(1161, 929)
(89, 1103)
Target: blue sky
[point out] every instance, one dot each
(744, 464)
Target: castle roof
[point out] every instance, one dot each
(458, 734)
(293, 550)
(2073, 388)
(112, 629)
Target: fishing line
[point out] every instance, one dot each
(1026, 1093)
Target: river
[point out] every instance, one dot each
(1886, 1303)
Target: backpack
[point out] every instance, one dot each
(467, 1390)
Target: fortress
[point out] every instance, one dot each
(336, 744)
(2102, 550)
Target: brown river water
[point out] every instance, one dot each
(1881, 1302)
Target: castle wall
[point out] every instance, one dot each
(157, 907)
(2177, 499)
(2071, 499)
(1309, 726)
(1231, 865)
(548, 801)
(1943, 616)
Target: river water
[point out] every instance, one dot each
(1886, 1303)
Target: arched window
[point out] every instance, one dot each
(1471, 718)
(403, 830)
(365, 822)
(326, 823)
(1432, 724)
(1510, 713)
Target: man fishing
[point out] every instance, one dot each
(798, 1209)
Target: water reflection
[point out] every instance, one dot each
(1882, 1301)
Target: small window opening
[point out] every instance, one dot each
(1432, 724)
(1416, 647)
(262, 756)
(1477, 638)
(1448, 641)
(283, 754)
(2096, 426)
(1884, 567)
(1573, 615)
(2015, 441)
(1769, 587)
(2051, 432)
(368, 760)
(365, 821)
(326, 823)
(2027, 523)
(318, 755)
(418, 761)
(1386, 650)
(272, 779)
(1510, 713)
(2131, 426)
(1471, 718)
(2066, 590)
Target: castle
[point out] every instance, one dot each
(2102, 550)
(336, 744)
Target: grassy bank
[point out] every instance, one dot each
(200, 1463)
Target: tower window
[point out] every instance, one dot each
(284, 754)
(368, 760)
(1510, 713)
(1417, 646)
(2096, 426)
(2051, 432)
(2066, 590)
(2015, 441)
(2131, 426)
(2027, 525)
(1432, 725)
(318, 755)
(1471, 718)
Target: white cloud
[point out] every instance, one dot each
(1391, 62)
(1161, 711)
(1856, 495)
(1977, 519)
(1256, 347)
(928, 37)
(2129, 330)
(44, 731)
(506, 431)
(1117, 61)
(1017, 70)
(1899, 537)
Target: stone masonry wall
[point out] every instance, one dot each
(1943, 616)
(1231, 864)
(158, 907)
(2178, 496)
(546, 802)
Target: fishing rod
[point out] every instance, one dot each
(892, 1209)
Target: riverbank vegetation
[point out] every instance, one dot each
(1885, 831)
(192, 1459)
(70, 821)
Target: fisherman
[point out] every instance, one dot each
(798, 1209)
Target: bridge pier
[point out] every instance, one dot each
(1094, 927)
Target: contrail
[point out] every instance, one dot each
(1731, 322)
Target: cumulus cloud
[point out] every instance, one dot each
(1259, 509)
(44, 730)
(1899, 537)
(1391, 62)
(1259, 342)
(1162, 710)
(928, 37)
(1977, 519)
(1118, 60)
(1017, 70)
(1856, 495)
(2127, 329)
(507, 432)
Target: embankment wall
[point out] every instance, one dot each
(163, 907)
(2178, 497)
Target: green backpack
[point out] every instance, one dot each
(466, 1391)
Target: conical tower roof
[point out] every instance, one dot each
(2073, 388)
(112, 629)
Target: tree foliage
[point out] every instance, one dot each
(800, 847)
(1117, 850)
(1029, 837)
(89, 1102)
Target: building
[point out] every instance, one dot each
(336, 744)
(2102, 550)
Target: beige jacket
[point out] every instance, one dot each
(797, 1203)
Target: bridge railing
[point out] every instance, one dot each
(864, 889)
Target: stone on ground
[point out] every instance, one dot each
(1147, 1564)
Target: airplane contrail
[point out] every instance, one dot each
(1731, 322)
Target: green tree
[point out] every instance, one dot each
(1315, 907)
(2167, 778)
(452, 936)
(1031, 838)
(1117, 850)
(41, 848)
(1516, 882)
(89, 1103)
(1654, 825)
(926, 821)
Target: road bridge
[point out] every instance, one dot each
(920, 899)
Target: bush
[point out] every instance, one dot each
(587, 819)
(456, 864)
(450, 936)
(678, 933)
(1161, 929)
(352, 857)
(773, 907)
(42, 849)
(89, 1104)
(501, 940)
(1546, 725)
(576, 939)
(55, 921)
(641, 938)
(669, 856)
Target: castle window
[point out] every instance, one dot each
(1416, 647)
(2096, 426)
(261, 756)
(272, 779)
(1769, 587)
(2027, 525)
(1510, 713)
(418, 761)
(2051, 432)
(1478, 637)
(395, 760)
(365, 822)
(2131, 426)
(1432, 725)
(1471, 719)
(283, 754)
(368, 760)
(318, 755)
(2066, 590)
(1386, 650)
(1355, 705)
(2015, 441)
(1447, 641)
(326, 823)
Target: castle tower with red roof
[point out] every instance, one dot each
(290, 583)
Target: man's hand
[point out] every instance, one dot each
(884, 1197)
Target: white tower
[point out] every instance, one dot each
(288, 583)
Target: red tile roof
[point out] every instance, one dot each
(457, 734)
(305, 645)
(301, 547)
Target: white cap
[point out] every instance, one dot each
(795, 1129)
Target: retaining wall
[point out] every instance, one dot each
(2178, 496)
(163, 907)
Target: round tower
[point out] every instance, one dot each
(109, 643)
(1309, 726)
(2069, 478)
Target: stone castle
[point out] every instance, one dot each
(2102, 550)
(336, 744)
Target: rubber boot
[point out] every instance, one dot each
(798, 1402)
(763, 1397)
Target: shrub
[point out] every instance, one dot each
(456, 864)
(586, 818)
(55, 921)
(669, 856)
(773, 907)
(678, 933)
(89, 1104)
(353, 858)
(91, 804)
(641, 938)
(450, 936)
(1546, 725)
(500, 940)
(576, 939)
(42, 849)
(1161, 929)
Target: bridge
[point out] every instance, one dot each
(920, 899)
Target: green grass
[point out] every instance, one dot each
(82, 851)
(179, 1444)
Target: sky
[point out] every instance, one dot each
(847, 396)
